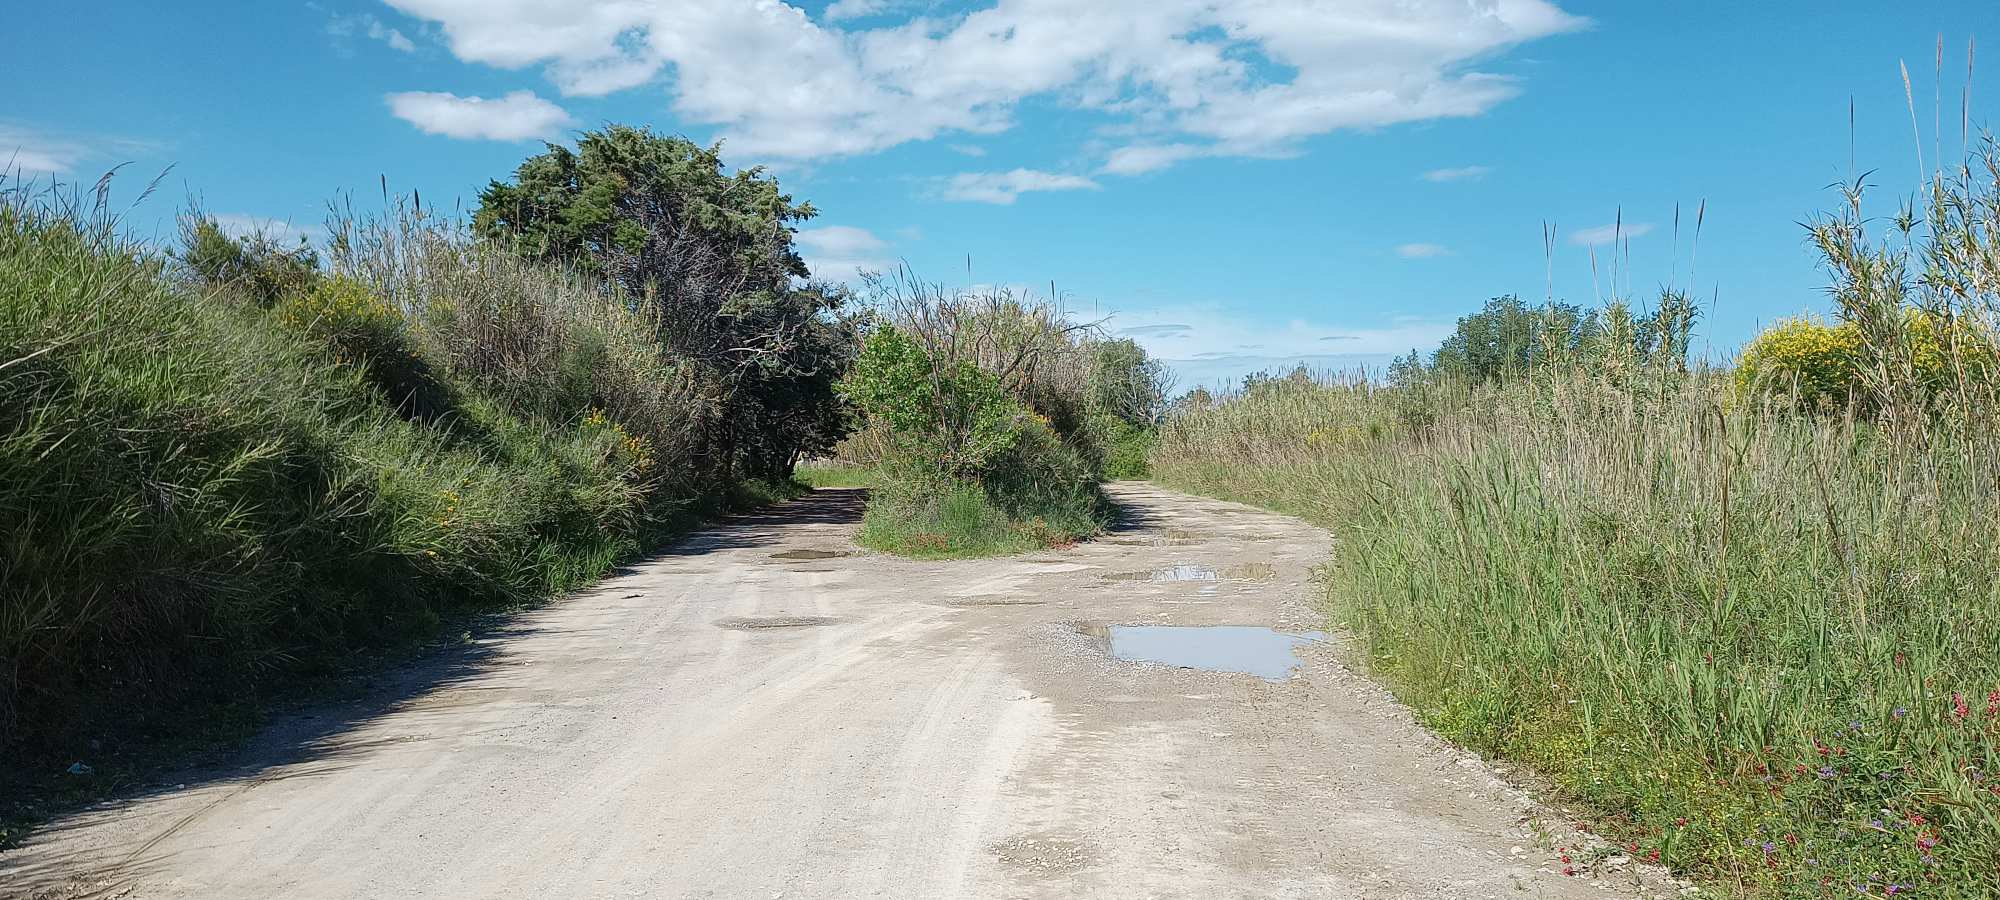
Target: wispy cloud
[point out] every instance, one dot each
(345, 28)
(248, 225)
(842, 252)
(1462, 173)
(1171, 329)
(1004, 188)
(515, 117)
(31, 152)
(1421, 251)
(1605, 234)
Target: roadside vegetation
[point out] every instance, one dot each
(990, 419)
(228, 465)
(1751, 615)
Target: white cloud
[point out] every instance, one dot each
(1204, 77)
(1421, 251)
(344, 28)
(1004, 187)
(247, 225)
(28, 152)
(840, 252)
(1139, 159)
(1462, 173)
(517, 116)
(1605, 234)
(973, 150)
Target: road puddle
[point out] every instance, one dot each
(1167, 573)
(1243, 649)
(764, 623)
(809, 554)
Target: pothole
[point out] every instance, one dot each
(765, 623)
(809, 554)
(993, 601)
(1242, 649)
(1252, 571)
(1167, 573)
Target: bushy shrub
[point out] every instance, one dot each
(1829, 366)
(364, 331)
(1818, 361)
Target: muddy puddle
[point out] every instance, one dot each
(1243, 649)
(1165, 574)
(765, 623)
(809, 554)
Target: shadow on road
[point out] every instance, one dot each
(318, 741)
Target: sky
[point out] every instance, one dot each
(1236, 184)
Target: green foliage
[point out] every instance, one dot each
(1508, 339)
(1125, 446)
(706, 258)
(953, 417)
(255, 266)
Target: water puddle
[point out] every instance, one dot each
(809, 554)
(993, 601)
(1244, 649)
(764, 623)
(1168, 573)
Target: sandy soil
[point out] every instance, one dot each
(727, 721)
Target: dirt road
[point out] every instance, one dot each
(749, 716)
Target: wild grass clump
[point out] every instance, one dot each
(1757, 631)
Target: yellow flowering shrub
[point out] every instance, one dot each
(1825, 362)
(1821, 361)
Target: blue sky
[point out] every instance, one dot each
(1236, 183)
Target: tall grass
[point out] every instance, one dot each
(204, 494)
(1762, 641)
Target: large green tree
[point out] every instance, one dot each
(707, 255)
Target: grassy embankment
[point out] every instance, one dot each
(214, 490)
(1755, 625)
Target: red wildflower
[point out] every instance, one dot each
(1959, 709)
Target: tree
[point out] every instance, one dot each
(1508, 338)
(705, 255)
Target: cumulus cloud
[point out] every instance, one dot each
(1605, 234)
(1421, 251)
(1005, 187)
(1462, 173)
(841, 252)
(1178, 78)
(515, 117)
